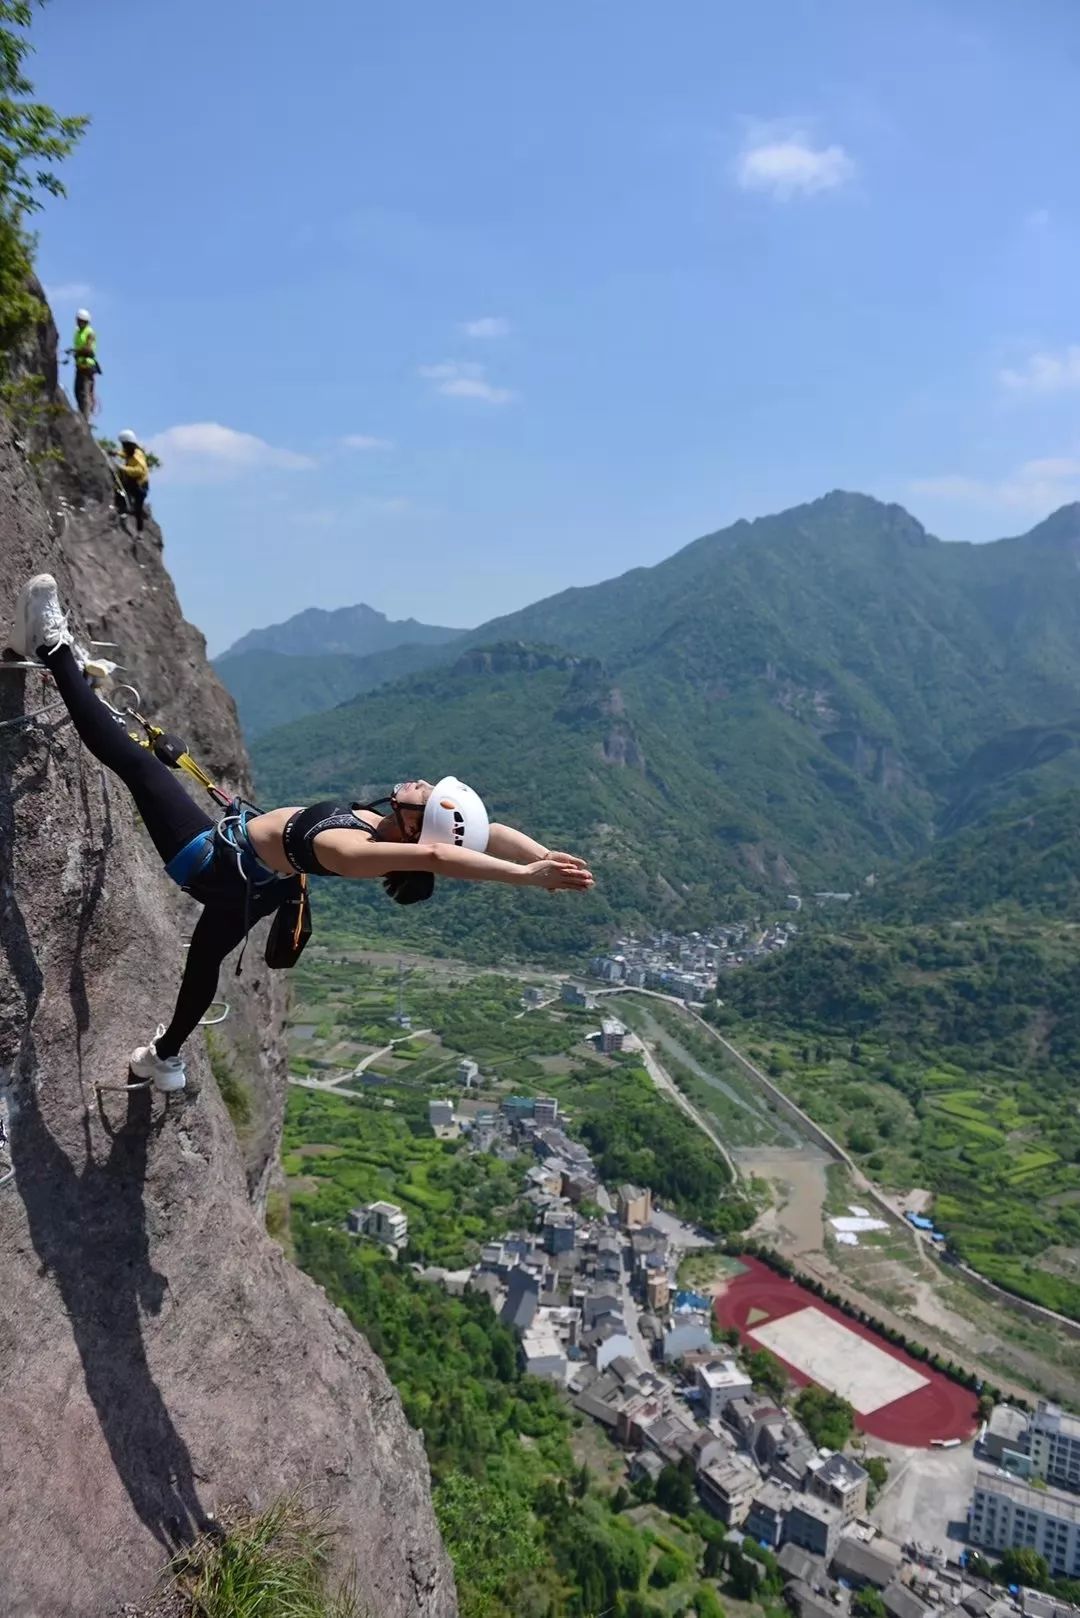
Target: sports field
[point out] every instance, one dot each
(894, 1397)
(828, 1353)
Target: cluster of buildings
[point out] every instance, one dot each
(590, 1293)
(1028, 1492)
(688, 964)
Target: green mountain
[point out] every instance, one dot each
(1015, 864)
(317, 659)
(791, 703)
(273, 688)
(353, 630)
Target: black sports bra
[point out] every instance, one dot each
(302, 828)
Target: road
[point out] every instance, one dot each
(663, 1081)
(337, 1081)
(813, 1131)
(630, 1314)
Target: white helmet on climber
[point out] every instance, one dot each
(455, 814)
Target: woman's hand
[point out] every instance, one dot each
(567, 859)
(557, 872)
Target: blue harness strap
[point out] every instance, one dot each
(193, 859)
(228, 838)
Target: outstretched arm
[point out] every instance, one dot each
(507, 843)
(344, 854)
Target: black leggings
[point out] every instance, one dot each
(172, 819)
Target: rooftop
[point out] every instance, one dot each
(728, 1473)
(806, 1603)
(900, 1602)
(876, 1562)
(773, 1496)
(723, 1374)
(1052, 1502)
(821, 1510)
(841, 1473)
(1007, 1422)
(1050, 1418)
(541, 1340)
(797, 1564)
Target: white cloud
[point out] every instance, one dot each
(461, 379)
(366, 441)
(202, 450)
(487, 326)
(1045, 372)
(1035, 487)
(787, 164)
(1038, 219)
(69, 292)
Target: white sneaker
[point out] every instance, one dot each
(39, 618)
(167, 1072)
(41, 621)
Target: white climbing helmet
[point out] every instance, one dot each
(455, 814)
(82, 314)
(128, 437)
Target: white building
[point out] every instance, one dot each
(542, 1349)
(1007, 1514)
(719, 1382)
(1054, 1446)
(545, 1112)
(468, 1073)
(383, 1220)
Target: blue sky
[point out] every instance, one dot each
(445, 308)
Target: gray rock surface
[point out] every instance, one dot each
(159, 1356)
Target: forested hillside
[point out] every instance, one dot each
(795, 703)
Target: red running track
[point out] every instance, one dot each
(940, 1409)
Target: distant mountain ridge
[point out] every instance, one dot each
(352, 631)
(794, 702)
(317, 659)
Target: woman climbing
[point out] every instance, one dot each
(248, 865)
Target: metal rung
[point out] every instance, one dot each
(212, 1022)
(116, 707)
(139, 1084)
(21, 663)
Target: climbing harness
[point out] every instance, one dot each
(193, 864)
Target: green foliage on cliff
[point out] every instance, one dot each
(33, 138)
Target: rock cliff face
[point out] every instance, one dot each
(159, 1357)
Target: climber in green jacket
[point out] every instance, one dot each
(87, 369)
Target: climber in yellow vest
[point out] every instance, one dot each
(133, 477)
(87, 369)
